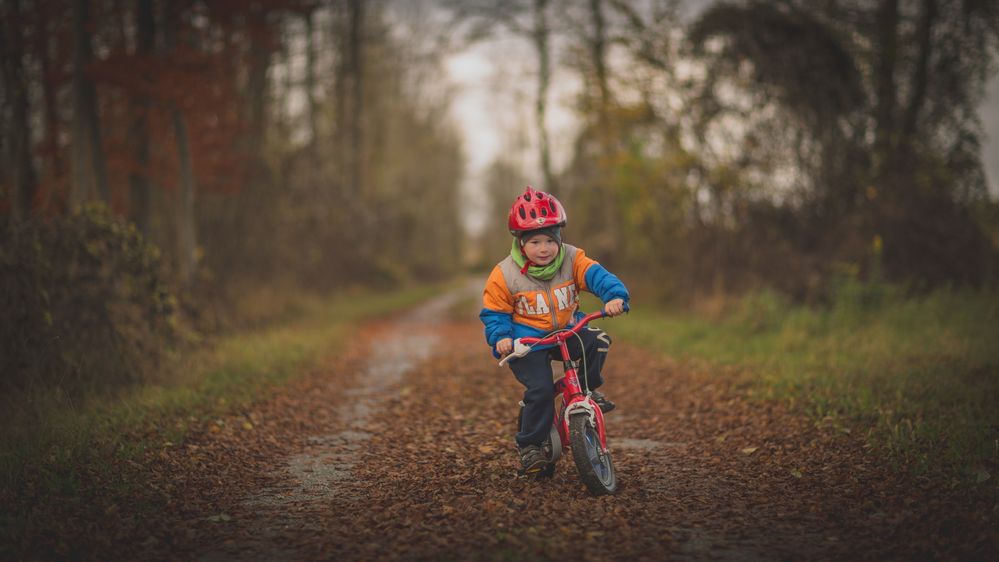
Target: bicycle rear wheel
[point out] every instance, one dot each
(595, 467)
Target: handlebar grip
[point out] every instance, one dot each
(520, 349)
(603, 313)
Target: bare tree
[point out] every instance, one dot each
(310, 78)
(140, 200)
(22, 170)
(349, 93)
(186, 226)
(884, 113)
(54, 166)
(540, 35)
(89, 167)
(598, 49)
(355, 66)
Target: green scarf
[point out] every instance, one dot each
(543, 273)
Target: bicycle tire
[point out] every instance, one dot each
(596, 469)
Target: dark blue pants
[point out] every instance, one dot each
(534, 371)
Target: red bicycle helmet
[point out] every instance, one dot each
(533, 210)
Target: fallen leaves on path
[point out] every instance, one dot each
(704, 474)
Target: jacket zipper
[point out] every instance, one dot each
(551, 304)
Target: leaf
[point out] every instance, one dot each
(981, 475)
(796, 473)
(749, 450)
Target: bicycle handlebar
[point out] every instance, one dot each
(553, 337)
(522, 346)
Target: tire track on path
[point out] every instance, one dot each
(312, 478)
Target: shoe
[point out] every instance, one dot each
(601, 401)
(532, 460)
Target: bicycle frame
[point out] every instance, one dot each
(573, 397)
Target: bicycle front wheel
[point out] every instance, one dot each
(595, 467)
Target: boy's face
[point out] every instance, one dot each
(541, 249)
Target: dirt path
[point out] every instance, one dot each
(403, 449)
(323, 472)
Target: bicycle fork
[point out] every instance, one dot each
(575, 401)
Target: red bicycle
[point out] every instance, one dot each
(579, 422)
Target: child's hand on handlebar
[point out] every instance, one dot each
(614, 307)
(504, 347)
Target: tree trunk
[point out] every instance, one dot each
(186, 225)
(310, 80)
(924, 35)
(611, 234)
(598, 49)
(49, 99)
(884, 140)
(541, 34)
(285, 115)
(89, 168)
(23, 179)
(82, 183)
(257, 86)
(188, 235)
(140, 201)
(4, 127)
(356, 66)
(342, 142)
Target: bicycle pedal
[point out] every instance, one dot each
(533, 471)
(543, 472)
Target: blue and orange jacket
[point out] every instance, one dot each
(516, 305)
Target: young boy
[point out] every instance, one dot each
(534, 291)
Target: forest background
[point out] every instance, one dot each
(175, 171)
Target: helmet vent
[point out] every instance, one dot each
(533, 210)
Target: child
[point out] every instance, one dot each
(534, 291)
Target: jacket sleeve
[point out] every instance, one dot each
(605, 284)
(497, 308)
(597, 280)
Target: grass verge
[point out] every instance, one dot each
(52, 444)
(920, 376)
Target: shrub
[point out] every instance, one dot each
(84, 303)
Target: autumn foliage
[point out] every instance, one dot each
(240, 143)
